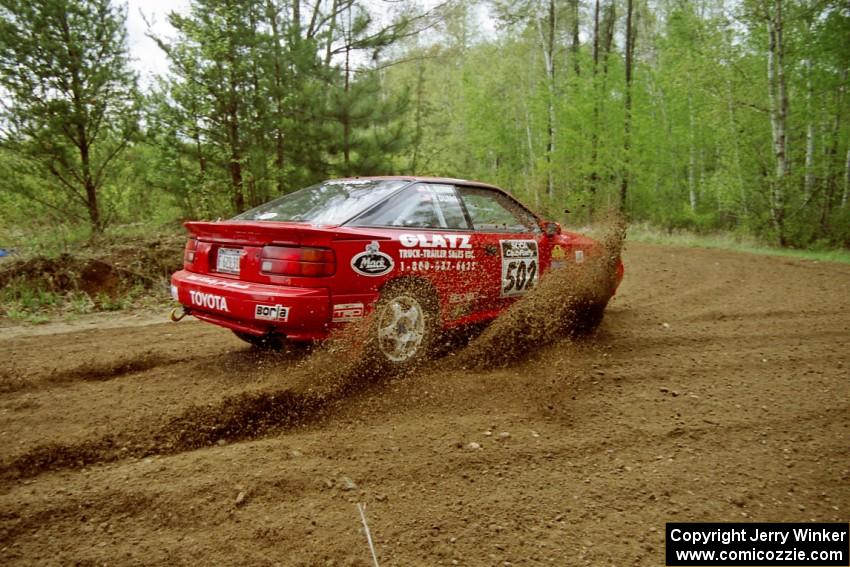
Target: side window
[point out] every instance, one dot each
(424, 205)
(449, 204)
(491, 211)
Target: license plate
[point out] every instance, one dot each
(228, 260)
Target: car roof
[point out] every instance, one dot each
(426, 179)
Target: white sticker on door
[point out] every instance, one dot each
(519, 266)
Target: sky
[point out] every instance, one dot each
(148, 59)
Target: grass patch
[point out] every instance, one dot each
(730, 241)
(23, 303)
(127, 268)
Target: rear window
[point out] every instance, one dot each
(329, 203)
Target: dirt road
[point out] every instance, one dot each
(716, 389)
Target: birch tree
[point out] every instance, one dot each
(778, 98)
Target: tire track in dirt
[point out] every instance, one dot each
(122, 412)
(734, 419)
(91, 351)
(94, 371)
(321, 379)
(565, 301)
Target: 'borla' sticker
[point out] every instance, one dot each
(519, 266)
(271, 312)
(372, 262)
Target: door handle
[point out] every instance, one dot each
(490, 250)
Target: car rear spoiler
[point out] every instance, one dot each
(264, 232)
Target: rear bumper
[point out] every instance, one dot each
(257, 309)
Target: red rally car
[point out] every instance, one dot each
(424, 254)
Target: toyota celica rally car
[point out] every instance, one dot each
(422, 254)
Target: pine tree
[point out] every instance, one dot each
(72, 101)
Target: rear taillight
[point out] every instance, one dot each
(297, 261)
(189, 252)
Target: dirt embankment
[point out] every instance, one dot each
(101, 272)
(715, 389)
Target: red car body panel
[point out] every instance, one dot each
(467, 269)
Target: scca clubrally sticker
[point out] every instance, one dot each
(520, 266)
(372, 262)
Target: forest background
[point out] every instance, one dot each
(701, 115)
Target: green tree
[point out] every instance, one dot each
(71, 104)
(263, 98)
(365, 129)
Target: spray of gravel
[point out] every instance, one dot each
(565, 301)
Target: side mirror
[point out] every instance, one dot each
(551, 228)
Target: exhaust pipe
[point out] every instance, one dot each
(178, 313)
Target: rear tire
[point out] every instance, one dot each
(404, 327)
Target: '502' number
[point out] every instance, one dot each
(520, 276)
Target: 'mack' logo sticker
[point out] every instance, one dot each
(372, 262)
